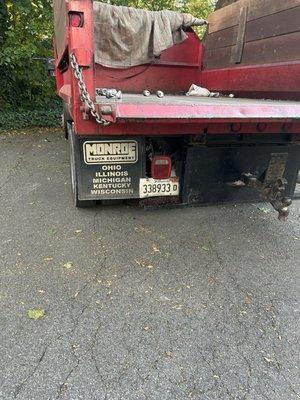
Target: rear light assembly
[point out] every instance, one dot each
(76, 19)
(161, 167)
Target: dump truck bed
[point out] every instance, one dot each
(173, 72)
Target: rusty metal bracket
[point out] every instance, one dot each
(108, 110)
(272, 192)
(273, 186)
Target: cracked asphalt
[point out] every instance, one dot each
(194, 303)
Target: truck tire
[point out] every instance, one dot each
(66, 118)
(74, 180)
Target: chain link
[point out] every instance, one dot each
(84, 94)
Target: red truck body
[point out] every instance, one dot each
(264, 110)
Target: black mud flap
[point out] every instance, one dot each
(210, 172)
(109, 168)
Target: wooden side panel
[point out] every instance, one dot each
(262, 28)
(264, 39)
(228, 16)
(267, 51)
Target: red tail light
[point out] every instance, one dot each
(76, 20)
(161, 167)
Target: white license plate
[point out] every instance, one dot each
(150, 187)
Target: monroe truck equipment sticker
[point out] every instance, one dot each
(112, 152)
(110, 168)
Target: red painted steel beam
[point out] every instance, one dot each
(208, 113)
(167, 128)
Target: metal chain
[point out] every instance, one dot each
(84, 94)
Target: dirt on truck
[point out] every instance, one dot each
(153, 113)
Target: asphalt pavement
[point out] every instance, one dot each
(134, 304)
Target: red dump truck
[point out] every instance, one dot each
(137, 127)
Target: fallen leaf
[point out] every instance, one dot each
(216, 377)
(178, 307)
(69, 265)
(36, 313)
(268, 360)
(164, 298)
(264, 210)
(78, 231)
(212, 280)
(168, 354)
(146, 328)
(41, 291)
(143, 264)
(48, 258)
(142, 229)
(205, 247)
(155, 248)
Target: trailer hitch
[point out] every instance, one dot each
(272, 192)
(271, 185)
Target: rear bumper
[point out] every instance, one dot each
(205, 171)
(183, 115)
(136, 107)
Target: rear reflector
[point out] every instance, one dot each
(76, 20)
(161, 167)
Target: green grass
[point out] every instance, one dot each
(23, 119)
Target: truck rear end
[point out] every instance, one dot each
(170, 148)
